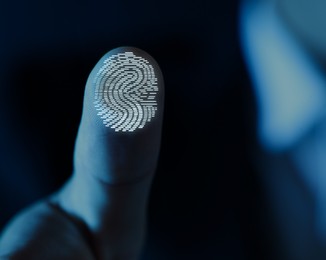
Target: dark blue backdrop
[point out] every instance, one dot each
(205, 203)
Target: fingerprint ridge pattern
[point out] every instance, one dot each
(125, 92)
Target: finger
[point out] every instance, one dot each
(122, 117)
(116, 151)
(43, 232)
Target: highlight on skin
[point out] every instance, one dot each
(125, 92)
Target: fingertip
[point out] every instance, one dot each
(120, 130)
(125, 91)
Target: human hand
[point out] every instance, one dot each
(100, 213)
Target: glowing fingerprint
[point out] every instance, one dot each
(125, 92)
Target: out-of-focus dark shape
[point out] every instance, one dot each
(280, 42)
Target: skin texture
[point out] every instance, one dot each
(100, 213)
(44, 232)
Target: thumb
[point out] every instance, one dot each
(116, 152)
(119, 135)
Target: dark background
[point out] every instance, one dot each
(205, 201)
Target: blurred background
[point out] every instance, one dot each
(236, 177)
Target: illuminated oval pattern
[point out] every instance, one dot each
(125, 92)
